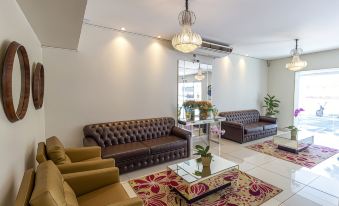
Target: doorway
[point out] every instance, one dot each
(317, 92)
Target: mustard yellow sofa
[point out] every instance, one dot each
(48, 187)
(70, 160)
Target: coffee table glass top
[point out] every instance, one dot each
(304, 139)
(192, 170)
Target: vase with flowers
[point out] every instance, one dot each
(190, 107)
(292, 128)
(205, 107)
(215, 111)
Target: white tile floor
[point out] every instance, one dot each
(302, 186)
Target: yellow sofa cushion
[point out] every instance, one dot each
(71, 199)
(56, 151)
(104, 196)
(49, 186)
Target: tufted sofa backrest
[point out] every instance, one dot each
(122, 132)
(244, 116)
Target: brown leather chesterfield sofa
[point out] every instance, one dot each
(141, 143)
(247, 125)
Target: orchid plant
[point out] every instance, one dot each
(215, 130)
(296, 114)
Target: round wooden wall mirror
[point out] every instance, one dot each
(15, 113)
(38, 86)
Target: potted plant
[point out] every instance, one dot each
(294, 132)
(189, 107)
(204, 108)
(293, 129)
(206, 171)
(271, 105)
(205, 155)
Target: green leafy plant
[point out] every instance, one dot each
(293, 128)
(271, 105)
(203, 151)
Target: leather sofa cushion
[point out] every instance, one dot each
(56, 151)
(125, 151)
(49, 188)
(104, 196)
(269, 126)
(163, 144)
(70, 197)
(253, 128)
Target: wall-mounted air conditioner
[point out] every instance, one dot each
(214, 49)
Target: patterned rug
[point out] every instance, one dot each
(155, 190)
(309, 157)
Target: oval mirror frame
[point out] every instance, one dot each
(38, 84)
(19, 113)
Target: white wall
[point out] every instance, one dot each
(281, 82)
(18, 140)
(121, 76)
(239, 83)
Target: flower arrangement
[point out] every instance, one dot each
(215, 130)
(204, 107)
(189, 107)
(294, 130)
(215, 111)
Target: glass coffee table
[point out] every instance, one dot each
(197, 182)
(284, 141)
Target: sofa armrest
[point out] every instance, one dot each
(233, 124)
(184, 134)
(131, 202)
(233, 131)
(89, 142)
(88, 181)
(83, 153)
(86, 166)
(268, 119)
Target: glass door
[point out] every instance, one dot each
(317, 92)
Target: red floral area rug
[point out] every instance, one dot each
(309, 157)
(155, 190)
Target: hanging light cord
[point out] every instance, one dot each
(186, 5)
(296, 44)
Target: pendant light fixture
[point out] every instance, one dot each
(186, 41)
(296, 64)
(200, 76)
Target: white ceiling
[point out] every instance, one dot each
(56, 23)
(263, 29)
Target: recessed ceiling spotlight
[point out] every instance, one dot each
(159, 37)
(246, 55)
(123, 29)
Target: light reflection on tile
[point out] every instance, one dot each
(322, 180)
